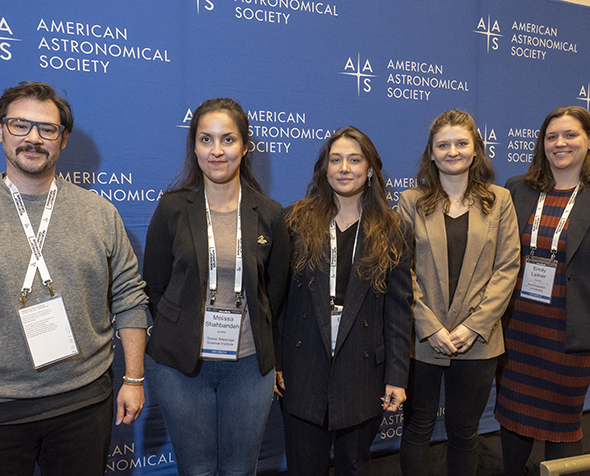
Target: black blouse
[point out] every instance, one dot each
(456, 243)
(345, 245)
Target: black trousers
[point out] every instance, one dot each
(73, 444)
(467, 389)
(308, 447)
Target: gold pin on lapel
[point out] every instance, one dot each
(262, 240)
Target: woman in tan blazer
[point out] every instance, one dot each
(465, 266)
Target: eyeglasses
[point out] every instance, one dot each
(22, 127)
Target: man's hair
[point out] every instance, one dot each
(41, 92)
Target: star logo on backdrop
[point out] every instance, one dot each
(351, 69)
(206, 4)
(5, 40)
(585, 96)
(492, 31)
(488, 138)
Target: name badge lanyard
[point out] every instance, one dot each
(35, 242)
(560, 225)
(334, 256)
(336, 311)
(213, 255)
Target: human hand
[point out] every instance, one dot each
(463, 338)
(130, 403)
(441, 342)
(393, 399)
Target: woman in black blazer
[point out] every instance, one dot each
(216, 262)
(347, 322)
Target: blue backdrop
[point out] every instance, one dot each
(135, 70)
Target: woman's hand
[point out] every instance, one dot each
(279, 382)
(393, 399)
(463, 338)
(441, 342)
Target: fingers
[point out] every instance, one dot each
(393, 398)
(441, 342)
(462, 338)
(130, 403)
(279, 383)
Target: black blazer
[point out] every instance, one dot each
(372, 349)
(176, 266)
(577, 257)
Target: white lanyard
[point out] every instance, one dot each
(213, 254)
(35, 242)
(334, 255)
(560, 225)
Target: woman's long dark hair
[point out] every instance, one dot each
(191, 177)
(309, 219)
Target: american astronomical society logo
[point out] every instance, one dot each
(529, 41)
(490, 140)
(362, 75)
(491, 30)
(404, 79)
(273, 11)
(6, 37)
(585, 95)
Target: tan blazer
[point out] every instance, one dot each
(488, 275)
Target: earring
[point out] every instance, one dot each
(369, 181)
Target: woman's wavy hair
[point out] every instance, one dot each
(539, 174)
(309, 219)
(191, 176)
(481, 173)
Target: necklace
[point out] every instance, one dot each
(349, 224)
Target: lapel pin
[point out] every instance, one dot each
(262, 240)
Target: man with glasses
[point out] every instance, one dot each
(65, 264)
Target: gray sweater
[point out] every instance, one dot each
(94, 268)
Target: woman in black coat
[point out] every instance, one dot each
(347, 323)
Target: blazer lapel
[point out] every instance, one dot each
(477, 232)
(579, 223)
(356, 291)
(355, 296)
(525, 201)
(198, 225)
(320, 298)
(250, 247)
(437, 239)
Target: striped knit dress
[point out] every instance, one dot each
(541, 389)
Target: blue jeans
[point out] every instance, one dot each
(467, 389)
(216, 420)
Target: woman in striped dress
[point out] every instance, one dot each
(544, 375)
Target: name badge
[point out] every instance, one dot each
(47, 331)
(221, 333)
(336, 315)
(538, 278)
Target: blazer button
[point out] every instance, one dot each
(305, 315)
(298, 344)
(366, 355)
(366, 323)
(569, 276)
(300, 285)
(377, 295)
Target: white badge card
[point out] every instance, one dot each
(47, 331)
(537, 280)
(336, 315)
(221, 333)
